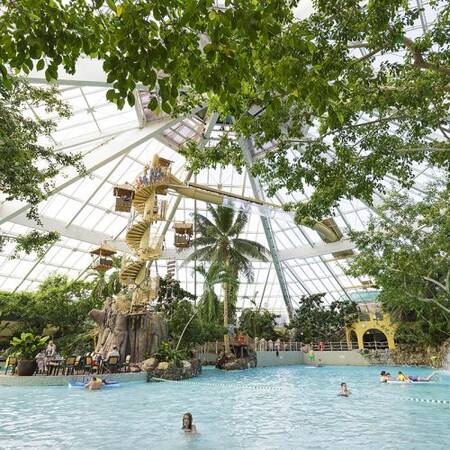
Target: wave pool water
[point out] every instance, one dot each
(293, 407)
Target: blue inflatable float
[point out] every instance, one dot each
(80, 385)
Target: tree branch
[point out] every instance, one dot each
(368, 55)
(436, 302)
(419, 60)
(431, 280)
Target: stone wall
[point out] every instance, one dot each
(270, 359)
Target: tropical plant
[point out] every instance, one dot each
(218, 241)
(27, 345)
(314, 321)
(170, 293)
(58, 302)
(405, 250)
(255, 322)
(166, 353)
(107, 284)
(209, 304)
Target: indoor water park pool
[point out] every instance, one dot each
(292, 407)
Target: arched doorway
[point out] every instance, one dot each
(353, 338)
(375, 339)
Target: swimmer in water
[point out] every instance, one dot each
(95, 384)
(385, 376)
(188, 426)
(428, 378)
(345, 391)
(402, 377)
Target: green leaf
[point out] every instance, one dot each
(40, 64)
(131, 99)
(112, 5)
(166, 107)
(153, 104)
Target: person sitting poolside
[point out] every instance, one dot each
(95, 384)
(188, 426)
(402, 377)
(113, 352)
(345, 391)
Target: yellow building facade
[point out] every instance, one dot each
(373, 329)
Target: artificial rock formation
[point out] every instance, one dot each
(168, 371)
(138, 335)
(228, 361)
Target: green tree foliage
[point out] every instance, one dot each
(107, 284)
(315, 321)
(405, 250)
(258, 323)
(331, 71)
(209, 304)
(169, 294)
(218, 241)
(197, 332)
(58, 302)
(27, 166)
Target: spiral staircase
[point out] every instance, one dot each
(147, 209)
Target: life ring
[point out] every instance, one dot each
(321, 346)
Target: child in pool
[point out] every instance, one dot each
(345, 391)
(188, 426)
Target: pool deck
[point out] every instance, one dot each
(62, 380)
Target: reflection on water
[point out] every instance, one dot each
(272, 408)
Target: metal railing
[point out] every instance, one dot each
(263, 345)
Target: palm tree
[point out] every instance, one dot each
(209, 305)
(218, 242)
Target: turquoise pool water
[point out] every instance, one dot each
(268, 408)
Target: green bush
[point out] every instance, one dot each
(27, 346)
(166, 353)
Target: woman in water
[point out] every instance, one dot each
(188, 426)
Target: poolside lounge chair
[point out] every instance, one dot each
(78, 363)
(111, 364)
(69, 365)
(88, 364)
(11, 363)
(126, 364)
(53, 367)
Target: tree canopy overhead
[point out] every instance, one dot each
(406, 252)
(343, 97)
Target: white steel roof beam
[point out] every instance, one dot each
(102, 155)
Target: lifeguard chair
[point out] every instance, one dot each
(183, 234)
(124, 194)
(102, 258)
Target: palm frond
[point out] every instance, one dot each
(251, 249)
(202, 241)
(200, 254)
(203, 224)
(242, 265)
(223, 217)
(239, 224)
